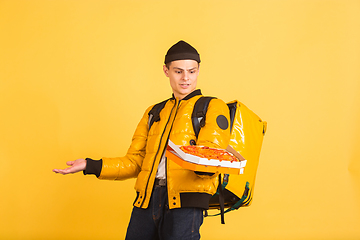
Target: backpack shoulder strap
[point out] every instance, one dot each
(199, 113)
(154, 113)
(232, 108)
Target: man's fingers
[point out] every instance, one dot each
(75, 166)
(62, 171)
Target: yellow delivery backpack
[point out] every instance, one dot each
(247, 132)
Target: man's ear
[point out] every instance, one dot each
(166, 70)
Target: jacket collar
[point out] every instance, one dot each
(190, 95)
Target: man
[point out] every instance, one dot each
(170, 199)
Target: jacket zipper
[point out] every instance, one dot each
(157, 152)
(167, 140)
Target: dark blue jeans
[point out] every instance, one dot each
(160, 222)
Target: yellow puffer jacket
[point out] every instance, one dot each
(185, 187)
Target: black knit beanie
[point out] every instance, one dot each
(181, 51)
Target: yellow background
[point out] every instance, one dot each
(76, 76)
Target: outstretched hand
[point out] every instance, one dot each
(75, 166)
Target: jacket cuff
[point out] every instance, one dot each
(93, 167)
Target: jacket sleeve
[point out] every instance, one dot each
(129, 166)
(216, 132)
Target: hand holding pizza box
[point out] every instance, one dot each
(206, 159)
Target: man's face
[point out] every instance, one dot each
(183, 76)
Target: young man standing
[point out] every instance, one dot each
(170, 199)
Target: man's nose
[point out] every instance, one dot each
(186, 76)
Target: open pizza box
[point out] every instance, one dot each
(196, 163)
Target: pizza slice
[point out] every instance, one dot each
(210, 153)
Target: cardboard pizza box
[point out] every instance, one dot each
(196, 163)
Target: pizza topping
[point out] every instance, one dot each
(209, 153)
